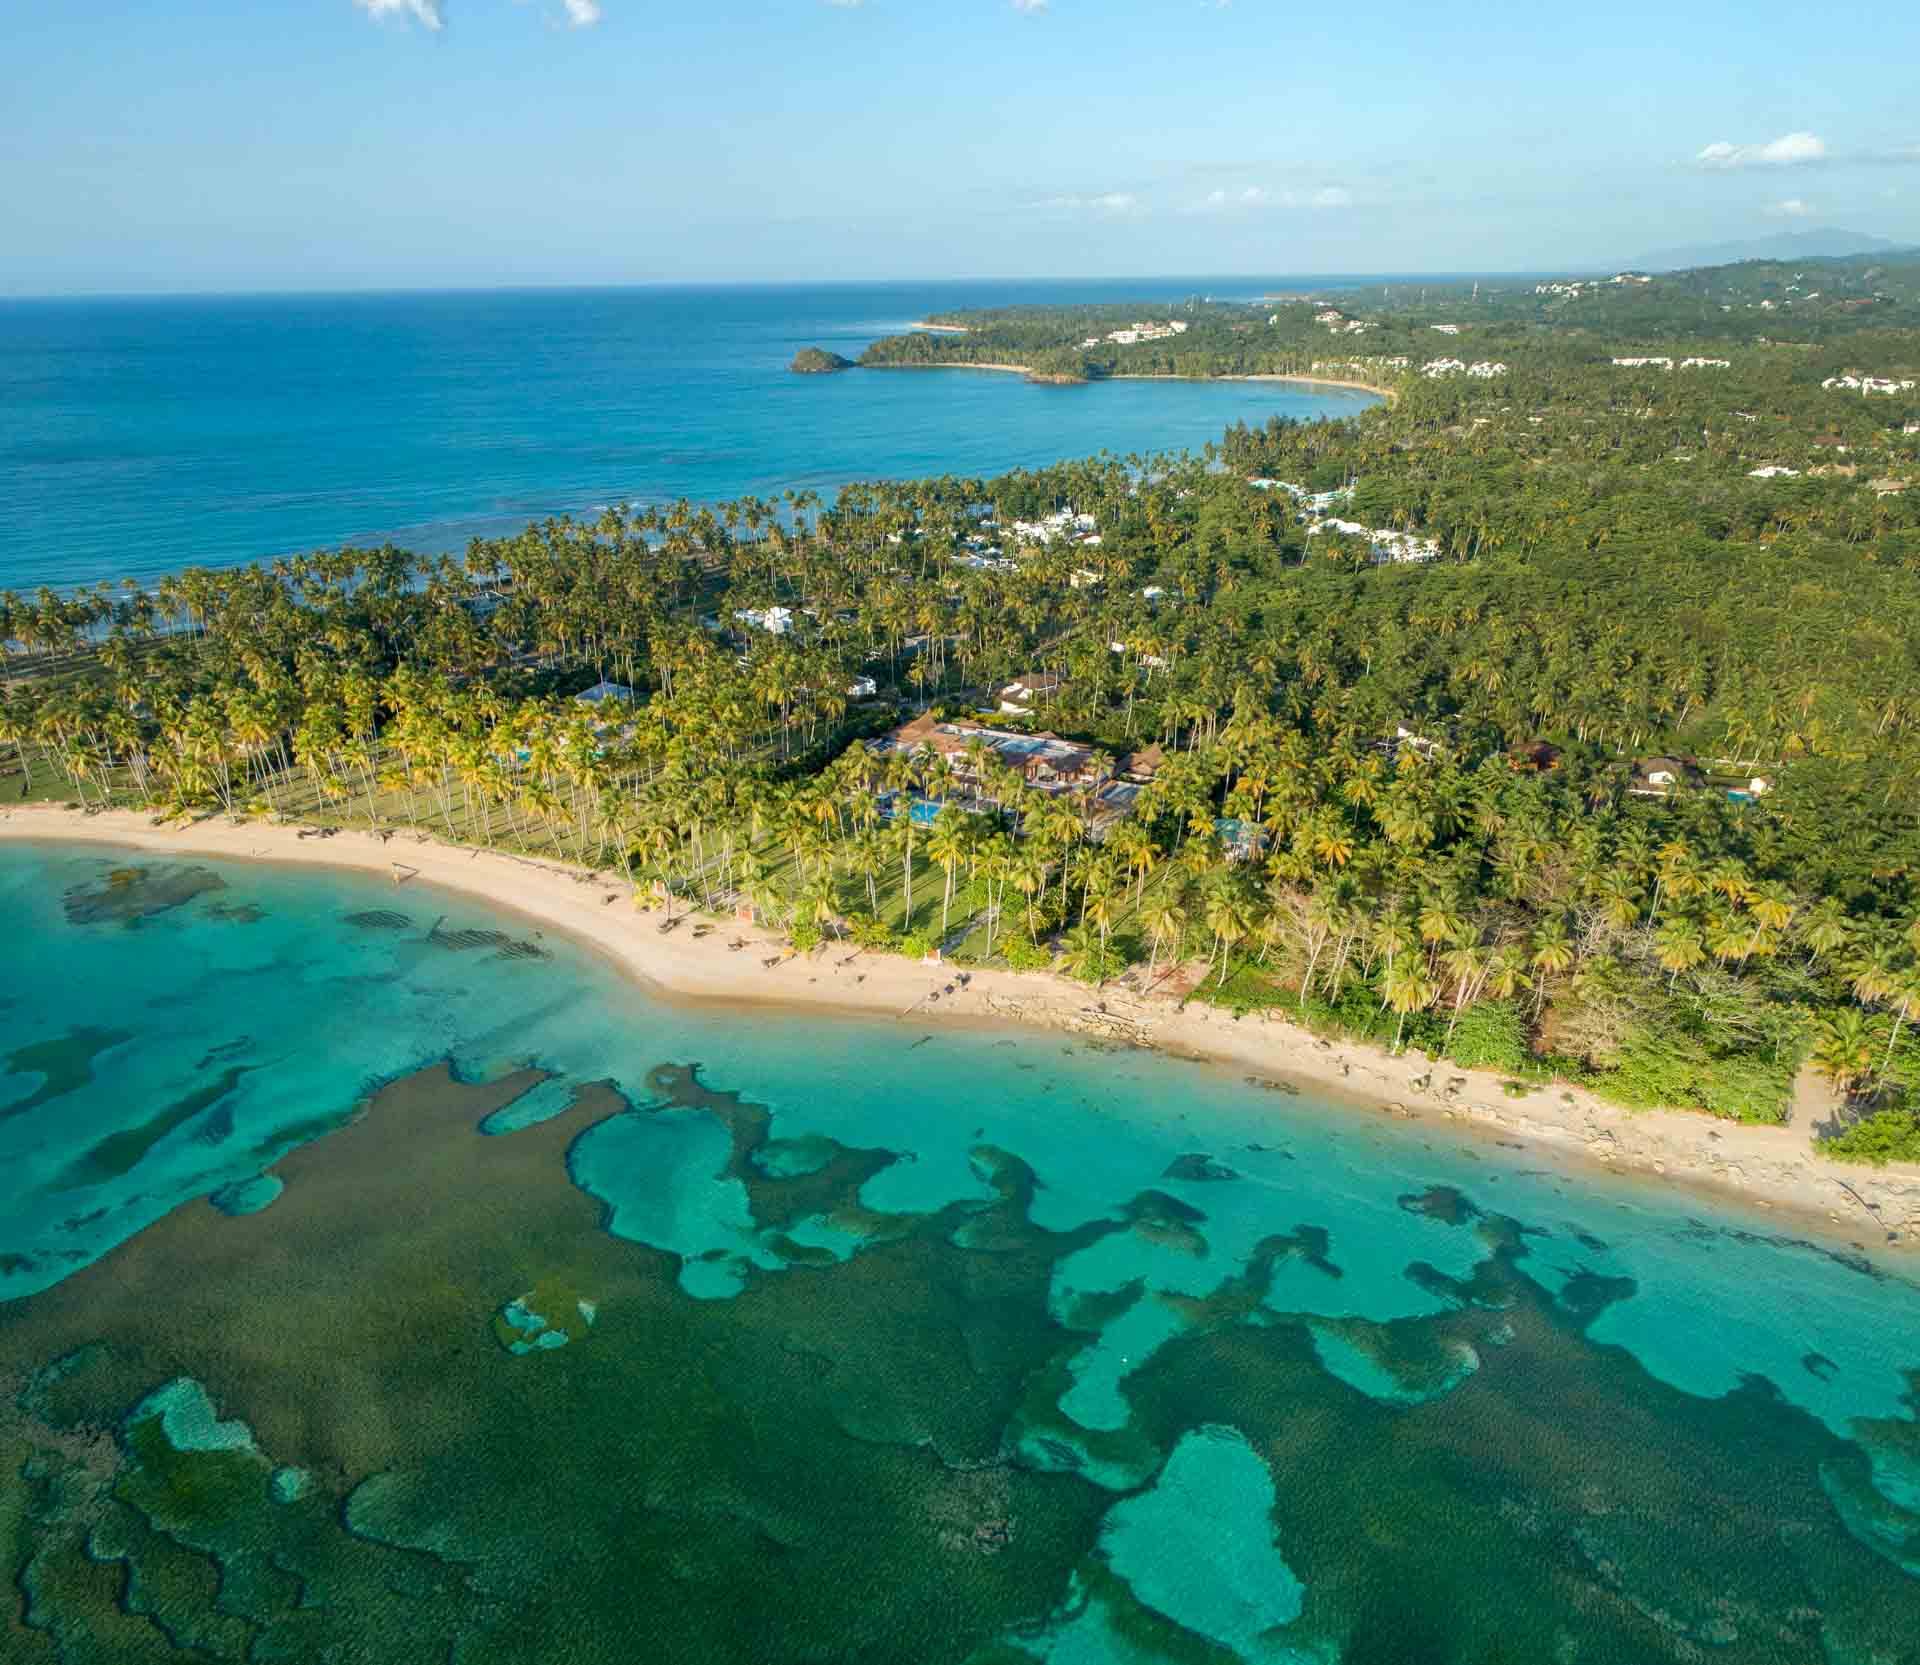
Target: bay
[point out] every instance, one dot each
(380, 1274)
(140, 436)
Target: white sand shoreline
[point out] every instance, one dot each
(1765, 1167)
(1385, 393)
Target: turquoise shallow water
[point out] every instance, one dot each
(1117, 1357)
(141, 436)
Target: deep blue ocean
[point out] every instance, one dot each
(139, 436)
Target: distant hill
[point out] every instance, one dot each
(1824, 244)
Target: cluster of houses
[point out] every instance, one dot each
(1590, 286)
(1579, 286)
(979, 553)
(1773, 471)
(1312, 502)
(1484, 369)
(1868, 384)
(1140, 332)
(1359, 366)
(1444, 329)
(1386, 546)
(1667, 363)
(1061, 525)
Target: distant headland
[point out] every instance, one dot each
(817, 361)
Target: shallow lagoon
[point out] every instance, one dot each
(609, 1325)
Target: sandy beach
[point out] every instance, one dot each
(1766, 1167)
(1386, 393)
(1268, 376)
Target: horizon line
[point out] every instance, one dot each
(373, 290)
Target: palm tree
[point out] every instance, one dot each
(865, 855)
(1028, 875)
(1165, 919)
(1902, 995)
(1086, 955)
(1842, 1048)
(1552, 952)
(1508, 976)
(1678, 948)
(1406, 987)
(947, 845)
(1825, 927)
(1228, 915)
(900, 835)
(1097, 897)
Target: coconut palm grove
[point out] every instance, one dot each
(1559, 713)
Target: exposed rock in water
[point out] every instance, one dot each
(505, 947)
(379, 919)
(1198, 1166)
(817, 361)
(131, 894)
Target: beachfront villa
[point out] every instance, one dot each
(1043, 761)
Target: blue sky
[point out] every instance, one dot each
(229, 144)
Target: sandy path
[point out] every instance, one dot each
(1772, 1167)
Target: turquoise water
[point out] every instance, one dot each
(141, 436)
(354, 1242)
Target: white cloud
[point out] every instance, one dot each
(432, 14)
(429, 12)
(1790, 150)
(1792, 209)
(1033, 8)
(1106, 203)
(845, 5)
(1249, 197)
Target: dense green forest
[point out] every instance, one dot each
(1562, 717)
